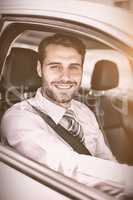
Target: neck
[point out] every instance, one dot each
(65, 105)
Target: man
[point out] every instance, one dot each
(60, 66)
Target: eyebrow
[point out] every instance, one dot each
(53, 63)
(76, 64)
(56, 63)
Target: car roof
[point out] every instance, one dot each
(107, 18)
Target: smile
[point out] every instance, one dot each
(63, 86)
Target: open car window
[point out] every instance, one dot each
(17, 85)
(95, 50)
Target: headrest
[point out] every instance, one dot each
(105, 75)
(20, 69)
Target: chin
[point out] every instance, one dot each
(64, 98)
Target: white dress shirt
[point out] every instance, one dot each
(27, 132)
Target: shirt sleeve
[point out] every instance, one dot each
(102, 150)
(22, 131)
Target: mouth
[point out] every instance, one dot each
(64, 86)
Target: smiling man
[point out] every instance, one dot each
(60, 65)
(61, 73)
(60, 68)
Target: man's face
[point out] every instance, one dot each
(61, 73)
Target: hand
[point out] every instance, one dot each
(111, 189)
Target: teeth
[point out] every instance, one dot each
(63, 86)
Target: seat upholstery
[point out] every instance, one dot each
(108, 111)
(105, 75)
(20, 79)
(20, 76)
(20, 69)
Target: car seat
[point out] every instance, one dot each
(19, 79)
(108, 110)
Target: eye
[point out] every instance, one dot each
(54, 67)
(75, 67)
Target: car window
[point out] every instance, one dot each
(96, 50)
(99, 46)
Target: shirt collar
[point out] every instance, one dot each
(55, 111)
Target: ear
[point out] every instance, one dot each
(39, 69)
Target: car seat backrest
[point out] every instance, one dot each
(105, 76)
(20, 69)
(116, 127)
(19, 75)
(19, 79)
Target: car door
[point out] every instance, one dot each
(26, 31)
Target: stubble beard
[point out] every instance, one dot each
(61, 98)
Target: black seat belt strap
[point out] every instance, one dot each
(73, 141)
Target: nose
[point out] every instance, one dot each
(65, 74)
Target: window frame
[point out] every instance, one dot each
(24, 22)
(72, 189)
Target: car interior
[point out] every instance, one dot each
(19, 81)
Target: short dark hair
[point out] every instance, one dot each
(64, 40)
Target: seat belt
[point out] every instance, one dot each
(73, 141)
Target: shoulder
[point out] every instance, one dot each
(21, 120)
(17, 108)
(19, 112)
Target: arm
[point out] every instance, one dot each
(24, 131)
(102, 150)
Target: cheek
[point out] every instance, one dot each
(78, 77)
(49, 76)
